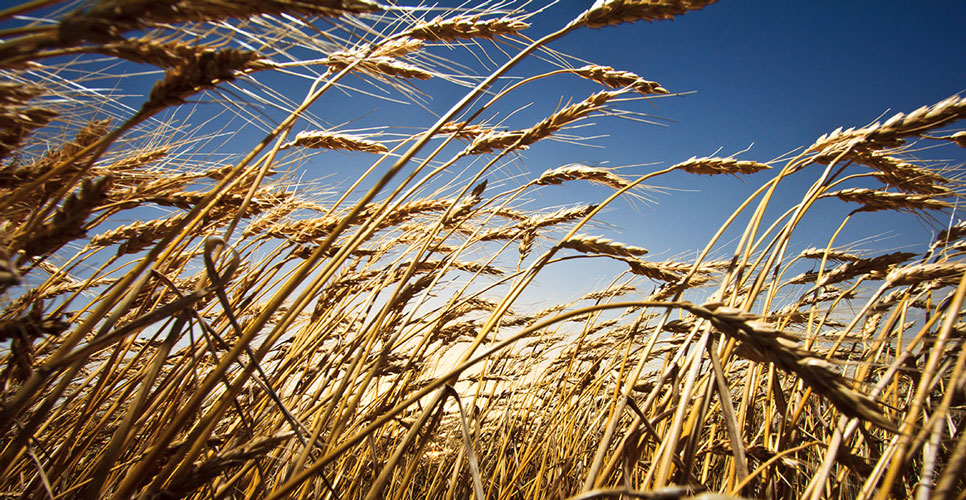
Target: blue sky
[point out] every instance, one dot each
(773, 75)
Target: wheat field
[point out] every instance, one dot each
(187, 312)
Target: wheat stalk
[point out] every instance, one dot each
(335, 329)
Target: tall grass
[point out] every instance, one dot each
(183, 321)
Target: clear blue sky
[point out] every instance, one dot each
(775, 74)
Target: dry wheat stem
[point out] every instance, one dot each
(366, 339)
(127, 484)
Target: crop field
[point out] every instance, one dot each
(303, 249)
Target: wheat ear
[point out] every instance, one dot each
(465, 27)
(873, 200)
(608, 76)
(321, 139)
(524, 138)
(718, 166)
(609, 12)
(602, 246)
(762, 342)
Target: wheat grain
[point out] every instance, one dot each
(395, 47)
(67, 222)
(909, 182)
(18, 93)
(107, 20)
(894, 171)
(873, 200)
(576, 171)
(653, 270)
(959, 138)
(610, 12)
(88, 134)
(874, 267)
(608, 76)
(148, 50)
(821, 253)
(465, 27)
(17, 124)
(717, 166)
(601, 245)
(136, 236)
(891, 133)
(536, 222)
(321, 139)
(918, 273)
(197, 73)
(921, 120)
(524, 138)
(762, 342)
(378, 66)
(614, 291)
(463, 130)
(134, 162)
(952, 234)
